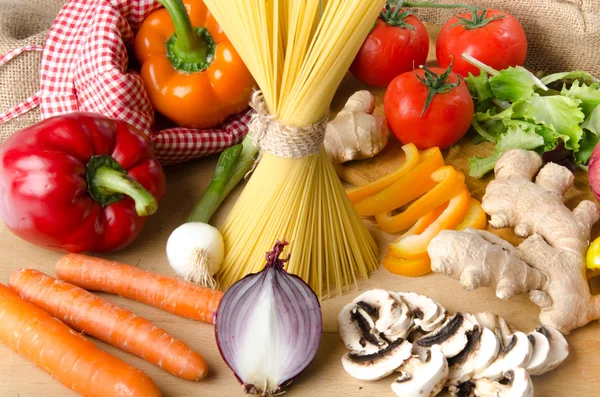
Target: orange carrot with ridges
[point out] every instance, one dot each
(167, 293)
(86, 312)
(66, 355)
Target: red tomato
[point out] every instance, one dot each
(390, 50)
(500, 43)
(445, 120)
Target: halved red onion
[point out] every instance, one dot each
(268, 327)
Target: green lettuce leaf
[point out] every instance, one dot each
(518, 136)
(591, 130)
(592, 122)
(586, 146)
(489, 130)
(548, 134)
(560, 113)
(480, 90)
(512, 84)
(575, 75)
(588, 95)
(492, 114)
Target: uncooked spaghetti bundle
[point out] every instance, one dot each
(298, 52)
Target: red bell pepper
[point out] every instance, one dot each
(79, 182)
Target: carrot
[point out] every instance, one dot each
(66, 355)
(167, 293)
(86, 312)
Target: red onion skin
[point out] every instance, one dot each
(594, 172)
(274, 263)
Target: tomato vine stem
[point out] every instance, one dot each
(436, 84)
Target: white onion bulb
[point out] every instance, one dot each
(195, 251)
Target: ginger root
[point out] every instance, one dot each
(549, 263)
(355, 133)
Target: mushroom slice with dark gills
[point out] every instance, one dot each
(465, 389)
(385, 309)
(377, 365)
(540, 349)
(515, 350)
(395, 318)
(422, 376)
(374, 320)
(514, 383)
(550, 349)
(481, 350)
(452, 334)
(427, 313)
(357, 330)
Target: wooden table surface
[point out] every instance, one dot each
(578, 376)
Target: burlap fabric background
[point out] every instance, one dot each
(562, 35)
(22, 23)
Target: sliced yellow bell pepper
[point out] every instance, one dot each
(408, 267)
(419, 227)
(593, 255)
(475, 217)
(359, 193)
(411, 186)
(449, 183)
(414, 246)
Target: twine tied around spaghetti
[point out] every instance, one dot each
(271, 136)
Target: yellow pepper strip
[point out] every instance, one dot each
(414, 246)
(419, 227)
(413, 185)
(475, 217)
(593, 255)
(408, 267)
(449, 183)
(359, 193)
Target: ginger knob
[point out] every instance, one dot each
(355, 133)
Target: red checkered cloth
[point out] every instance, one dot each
(85, 67)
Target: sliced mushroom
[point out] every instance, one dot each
(422, 376)
(416, 334)
(452, 335)
(482, 349)
(382, 307)
(427, 313)
(540, 349)
(404, 323)
(465, 389)
(515, 352)
(515, 383)
(438, 321)
(377, 365)
(550, 341)
(356, 328)
(491, 321)
(366, 325)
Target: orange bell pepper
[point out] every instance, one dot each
(359, 193)
(449, 183)
(407, 267)
(411, 186)
(412, 245)
(191, 71)
(475, 217)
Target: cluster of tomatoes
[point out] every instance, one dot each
(432, 106)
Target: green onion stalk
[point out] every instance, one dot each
(195, 250)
